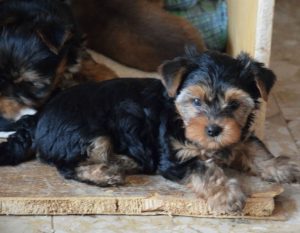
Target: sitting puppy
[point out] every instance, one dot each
(185, 128)
(39, 44)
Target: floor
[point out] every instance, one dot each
(282, 137)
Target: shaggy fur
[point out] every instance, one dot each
(186, 128)
(39, 45)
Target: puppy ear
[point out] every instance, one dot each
(263, 77)
(172, 73)
(265, 80)
(53, 36)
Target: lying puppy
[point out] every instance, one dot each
(185, 129)
(139, 34)
(39, 44)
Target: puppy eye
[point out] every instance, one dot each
(233, 104)
(197, 102)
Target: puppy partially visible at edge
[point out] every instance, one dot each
(41, 51)
(186, 128)
(139, 34)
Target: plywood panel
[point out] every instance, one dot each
(37, 189)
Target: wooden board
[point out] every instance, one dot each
(37, 189)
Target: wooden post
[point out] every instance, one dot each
(250, 30)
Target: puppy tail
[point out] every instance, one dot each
(19, 146)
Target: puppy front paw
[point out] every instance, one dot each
(228, 199)
(281, 170)
(223, 195)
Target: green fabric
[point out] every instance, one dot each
(209, 16)
(179, 4)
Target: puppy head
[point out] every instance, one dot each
(216, 95)
(32, 56)
(27, 71)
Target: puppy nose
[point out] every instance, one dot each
(213, 130)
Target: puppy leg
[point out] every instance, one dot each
(101, 152)
(90, 70)
(208, 181)
(222, 194)
(102, 167)
(100, 174)
(107, 174)
(254, 157)
(136, 135)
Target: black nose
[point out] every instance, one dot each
(213, 130)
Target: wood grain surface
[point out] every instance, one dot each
(34, 188)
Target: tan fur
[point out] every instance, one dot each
(91, 70)
(99, 150)
(223, 195)
(184, 101)
(102, 167)
(280, 170)
(240, 159)
(175, 83)
(246, 104)
(195, 131)
(86, 69)
(254, 158)
(261, 87)
(126, 164)
(106, 171)
(186, 151)
(10, 108)
(196, 91)
(197, 119)
(186, 110)
(100, 174)
(236, 94)
(231, 133)
(31, 76)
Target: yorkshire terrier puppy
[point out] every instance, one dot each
(186, 128)
(39, 44)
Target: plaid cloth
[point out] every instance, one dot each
(179, 4)
(209, 16)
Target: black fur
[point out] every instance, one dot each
(18, 147)
(137, 114)
(131, 117)
(35, 37)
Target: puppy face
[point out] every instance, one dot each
(33, 47)
(27, 69)
(216, 96)
(214, 118)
